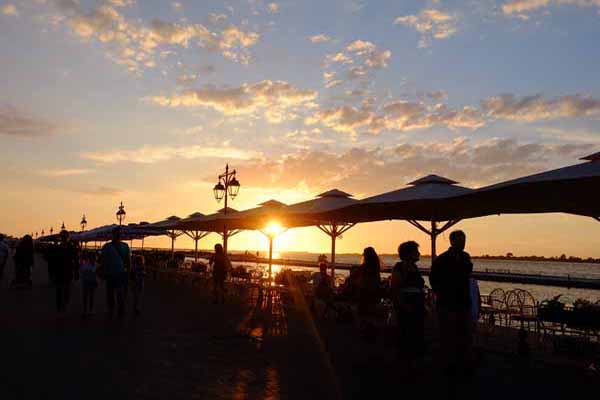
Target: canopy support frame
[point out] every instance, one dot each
(196, 236)
(271, 237)
(434, 231)
(335, 230)
(173, 234)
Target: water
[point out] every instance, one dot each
(583, 270)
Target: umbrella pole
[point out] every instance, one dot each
(172, 245)
(333, 237)
(270, 256)
(142, 243)
(434, 233)
(225, 240)
(196, 248)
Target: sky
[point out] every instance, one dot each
(145, 101)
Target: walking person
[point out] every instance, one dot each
(66, 259)
(24, 262)
(221, 267)
(450, 274)
(137, 276)
(407, 290)
(116, 260)
(4, 254)
(89, 282)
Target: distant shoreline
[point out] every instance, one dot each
(561, 259)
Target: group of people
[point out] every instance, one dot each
(67, 262)
(23, 261)
(455, 293)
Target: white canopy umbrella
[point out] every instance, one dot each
(217, 222)
(167, 225)
(318, 212)
(195, 234)
(426, 199)
(573, 189)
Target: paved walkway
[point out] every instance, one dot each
(184, 347)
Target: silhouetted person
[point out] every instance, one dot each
(137, 276)
(4, 254)
(89, 281)
(24, 262)
(450, 274)
(409, 301)
(369, 291)
(116, 260)
(221, 266)
(323, 289)
(67, 268)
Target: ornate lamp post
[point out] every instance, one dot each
(51, 230)
(83, 223)
(62, 227)
(42, 232)
(121, 214)
(227, 186)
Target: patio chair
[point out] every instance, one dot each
(522, 309)
(494, 311)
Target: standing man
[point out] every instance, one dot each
(66, 259)
(221, 267)
(450, 274)
(4, 253)
(116, 261)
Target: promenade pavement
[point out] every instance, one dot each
(185, 347)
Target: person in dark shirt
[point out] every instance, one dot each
(221, 267)
(66, 259)
(24, 262)
(450, 274)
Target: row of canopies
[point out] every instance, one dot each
(438, 201)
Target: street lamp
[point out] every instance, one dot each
(42, 232)
(62, 227)
(121, 214)
(83, 223)
(227, 186)
(51, 230)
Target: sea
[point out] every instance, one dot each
(539, 292)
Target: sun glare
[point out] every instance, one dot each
(274, 229)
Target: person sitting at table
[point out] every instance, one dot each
(323, 290)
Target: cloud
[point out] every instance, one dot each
(356, 62)
(9, 9)
(273, 8)
(59, 173)
(431, 24)
(364, 171)
(100, 191)
(406, 116)
(152, 154)
(18, 123)
(134, 44)
(521, 8)
(320, 38)
(177, 6)
(536, 108)
(121, 3)
(396, 116)
(271, 97)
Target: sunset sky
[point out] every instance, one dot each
(145, 101)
